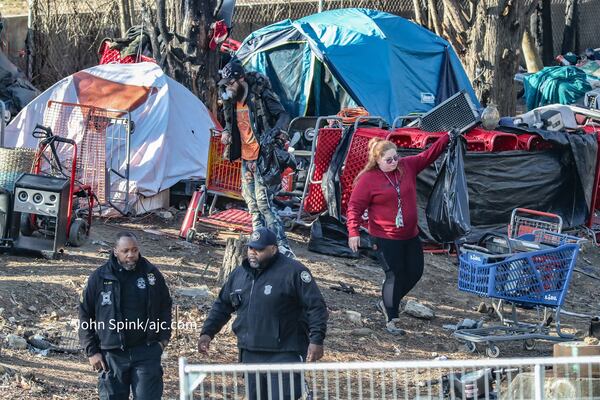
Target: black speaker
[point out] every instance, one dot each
(457, 112)
(40, 214)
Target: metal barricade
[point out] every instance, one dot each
(103, 147)
(510, 379)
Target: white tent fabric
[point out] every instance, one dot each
(172, 126)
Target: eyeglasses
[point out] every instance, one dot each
(391, 159)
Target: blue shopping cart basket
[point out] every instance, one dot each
(535, 277)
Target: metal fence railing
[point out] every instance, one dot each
(509, 379)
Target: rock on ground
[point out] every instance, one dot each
(418, 310)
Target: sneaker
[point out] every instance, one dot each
(392, 328)
(286, 251)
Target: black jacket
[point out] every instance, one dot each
(267, 119)
(100, 308)
(278, 309)
(265, 109)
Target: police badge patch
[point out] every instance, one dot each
(141, 283)
(106, 298)
(151, 279)
(305, 276)
(268, 289)
(255, 236)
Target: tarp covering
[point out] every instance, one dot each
(171, 137)
(15, 90)
(385, 63)
(559, 181)
(555, 85)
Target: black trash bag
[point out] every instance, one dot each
(274, 159)
(448, 205)
(329, 236)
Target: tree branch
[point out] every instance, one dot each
(418, 12)
(435, 19)
(148, 17)
(456, 15)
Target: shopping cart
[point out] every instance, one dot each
(223, 178)
(524, 220)
(531, 271)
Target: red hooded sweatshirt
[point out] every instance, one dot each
(375, 193)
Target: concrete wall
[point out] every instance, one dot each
(13, 39)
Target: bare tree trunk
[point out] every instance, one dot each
(132, 15)
(235, 253)
(547, 38)
(484, 33)
(492, 57)
(124, 16)
(570, 40)
(530, 53)
(183, 52)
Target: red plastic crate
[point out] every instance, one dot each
(533, 142)
(492, 140)
(113, 56)
(414, 138)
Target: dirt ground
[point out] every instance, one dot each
(41, 296)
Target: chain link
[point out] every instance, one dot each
(67, 33)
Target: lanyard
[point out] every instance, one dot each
(396, 186)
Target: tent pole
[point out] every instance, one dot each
(320, 6)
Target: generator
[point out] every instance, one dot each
(40, 214)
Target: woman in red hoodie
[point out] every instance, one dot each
(386, 188)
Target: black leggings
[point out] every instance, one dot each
(402, 261)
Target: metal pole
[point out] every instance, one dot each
(320, 6)
(183, 379)
(29, 45)
(538, 375)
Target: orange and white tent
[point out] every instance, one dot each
(172, 126)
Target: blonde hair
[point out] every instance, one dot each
(377, 147)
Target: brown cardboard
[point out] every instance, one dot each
(576, 349)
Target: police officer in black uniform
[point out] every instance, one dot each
(125, 323)
(281, 314)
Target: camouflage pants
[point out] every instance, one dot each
(260, 203)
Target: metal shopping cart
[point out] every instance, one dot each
(530, 271)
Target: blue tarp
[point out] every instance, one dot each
(385, 63)
(555, 85)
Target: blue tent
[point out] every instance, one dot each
(383, 62)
